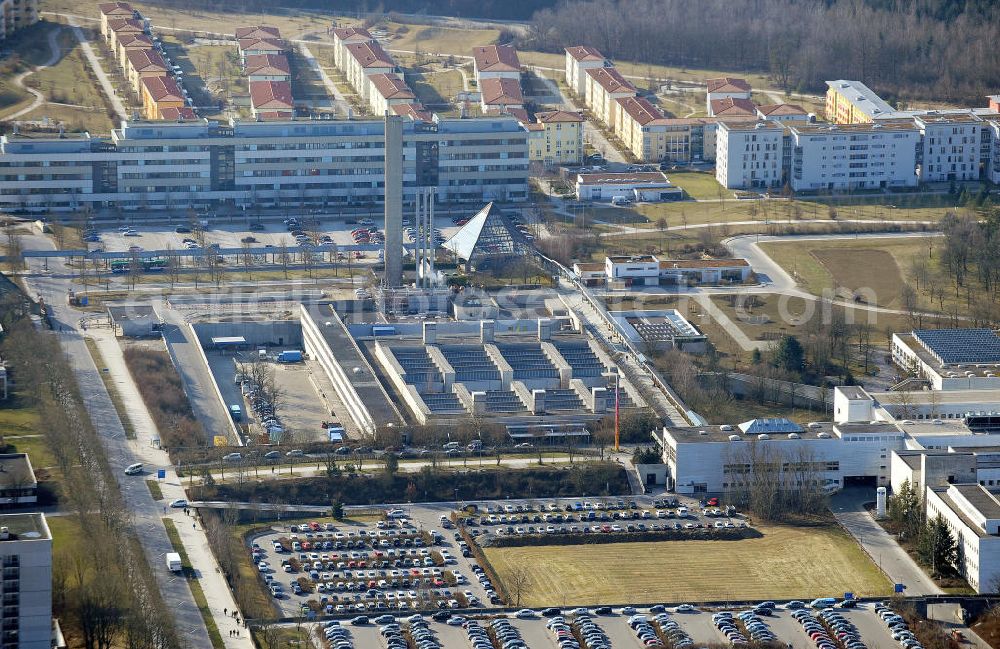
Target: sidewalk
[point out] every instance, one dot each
(202, 560)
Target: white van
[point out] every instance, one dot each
(134, 469)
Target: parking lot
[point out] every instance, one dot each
(234, 234)
(340, 568)
(625, 628)
(599, 516)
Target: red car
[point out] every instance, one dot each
(713, 502)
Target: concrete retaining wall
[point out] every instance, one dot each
(315, 346)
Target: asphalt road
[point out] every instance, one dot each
(848, 508)
(145, 511)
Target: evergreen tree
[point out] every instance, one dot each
(905, 512)
(937, 547)
(338, 510)
(789, 354)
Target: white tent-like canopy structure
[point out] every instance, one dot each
(487, 237)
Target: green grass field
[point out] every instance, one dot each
(787, 562)
(880, 265)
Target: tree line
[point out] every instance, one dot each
(103, 587)
(904, 50)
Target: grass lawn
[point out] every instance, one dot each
(154, 489)
(93, 120)
(644, 70)
(436, 87)
(682, 104)
(216, 67)
(712, 210)
(774, 315)
(879, 265)
(785, 563)
(29, 47)
(698, 185)
(440, 40)
(306, 83)
(196, 591)
(291, 22)
(109, 384)
(61, 84)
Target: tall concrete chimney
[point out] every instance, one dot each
(393, 200)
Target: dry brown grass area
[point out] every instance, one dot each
(786, 562)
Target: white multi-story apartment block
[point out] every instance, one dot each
(363, 60)
(17, 14)
(286, 162)
(725, 88)
(346, 36)
(990, 135)
(950, 148)
(748, 154)
(579, 59)
(388, 90)
(853, 156)
(496, 62)
(604, 87)
(26, 585)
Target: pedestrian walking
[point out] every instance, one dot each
(225, 611)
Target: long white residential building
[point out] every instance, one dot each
(292, 162)
(853, 156)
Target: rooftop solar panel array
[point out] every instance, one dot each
(956, 346)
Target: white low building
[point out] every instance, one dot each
(650, 270)
(633, 269)
(635, 186)
(950, 359)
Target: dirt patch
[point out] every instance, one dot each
(864, 271)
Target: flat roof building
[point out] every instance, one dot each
(26, 549)
(322, 162)
(852, 102)
(950, 359)
(749, 155)
(631, 186)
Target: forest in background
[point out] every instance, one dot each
(940, 50)
(920, 49)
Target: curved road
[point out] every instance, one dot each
(775, 278)
(39, 98)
